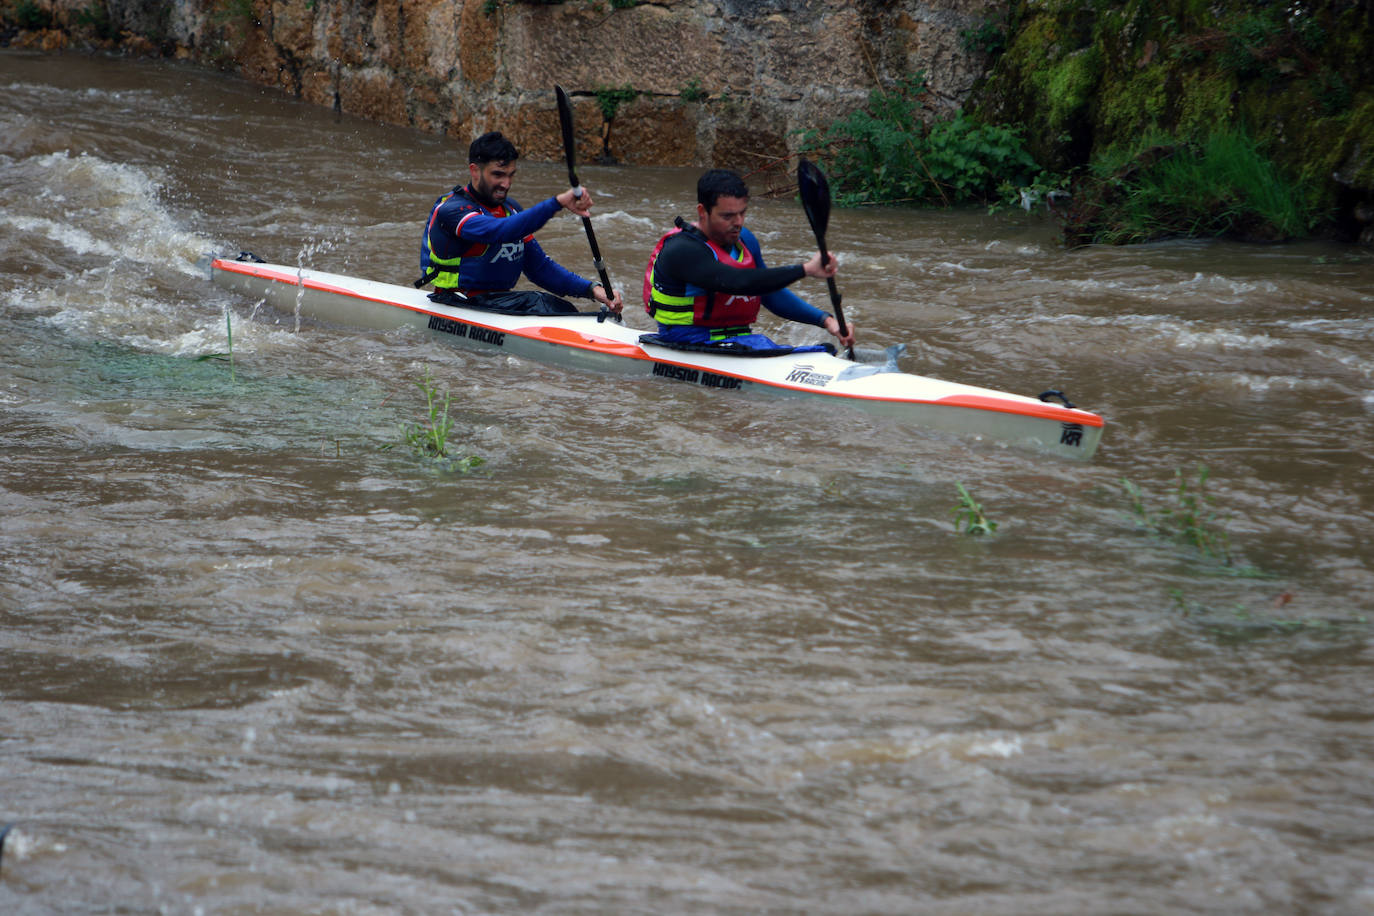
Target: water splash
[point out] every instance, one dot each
(307, 251)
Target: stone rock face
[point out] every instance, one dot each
(766, 69)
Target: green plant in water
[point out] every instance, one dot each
(1242, 623)
(229, 334)
(430, 438)
(1190, 519)
(969, 517)
(1194, 517)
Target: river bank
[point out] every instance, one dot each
(690, 82)
(746, 81)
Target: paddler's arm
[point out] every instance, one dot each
(787, 304)
(691, 262)
(557, 279)
(477, 226)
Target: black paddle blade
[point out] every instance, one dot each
(565, 120)
(815, 195)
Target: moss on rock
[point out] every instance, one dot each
(1085, 77)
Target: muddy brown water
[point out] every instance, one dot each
(667, 650)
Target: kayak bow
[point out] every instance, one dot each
(580, 342)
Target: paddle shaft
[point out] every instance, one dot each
(591, 240)
(566, 123)
(815, 195)
(834, 293)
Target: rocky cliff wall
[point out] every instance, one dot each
(718, 82)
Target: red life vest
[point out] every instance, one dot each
(679, 303)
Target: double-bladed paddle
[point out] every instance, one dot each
(565, 118)
(815, 195)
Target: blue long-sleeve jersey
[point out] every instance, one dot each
(492, 248)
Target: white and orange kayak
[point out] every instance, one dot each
(581, 342)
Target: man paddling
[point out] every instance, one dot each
(706, 280)
(478, 241)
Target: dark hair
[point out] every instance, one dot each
(719, 183)
(492, 147)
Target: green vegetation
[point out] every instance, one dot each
(969, 517)
(429, 438)
(1190, 519)
(96, 17)
(610, 98)
(30, 16)
(1241, 624)
(887, 153)
(1288, 85)
(692, 92)
(229, 357)
(235, 15)
(989, 38)
(1156, 187)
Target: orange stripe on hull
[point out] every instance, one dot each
(1002, 405)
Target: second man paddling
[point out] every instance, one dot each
(478, 242)
(706, 280)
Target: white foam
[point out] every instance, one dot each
(70, 237)
(95, 207)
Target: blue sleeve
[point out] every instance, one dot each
(552, 276)
(496, 230)
(784, 303)
(787, 304)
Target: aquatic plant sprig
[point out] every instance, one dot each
(969, 517)
(1191, 519)
(229, 334)
(1243, 623)
(429, 438)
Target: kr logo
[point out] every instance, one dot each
(510, 251)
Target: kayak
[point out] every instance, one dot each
(583, 342)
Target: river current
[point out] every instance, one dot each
(667, 649)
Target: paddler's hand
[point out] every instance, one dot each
(577, 205)
(833, 327)
(614, 302)
(815, 268)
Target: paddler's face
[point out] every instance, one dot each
(722, 223)
(491, 181)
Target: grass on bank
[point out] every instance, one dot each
(893, 151)
(1220, 185)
